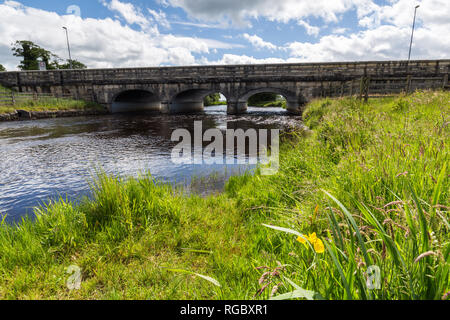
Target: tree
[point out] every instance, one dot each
(75, 65)
(2, 68)
(212, 99)
(31, 54)
(262, 98)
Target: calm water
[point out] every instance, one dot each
(45, 159)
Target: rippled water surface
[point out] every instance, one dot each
(45, 159)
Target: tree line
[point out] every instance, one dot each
(32, 54)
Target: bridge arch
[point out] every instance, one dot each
(135, 99)
(191, 100)
(294, 101)
(283, 92)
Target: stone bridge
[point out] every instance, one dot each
(182, 89)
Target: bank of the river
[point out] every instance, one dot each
(35, 115)
(48, 107)
(277, 104)
(216, 103)
(384, 162)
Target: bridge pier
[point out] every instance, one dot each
(294, 107)
(165, 107)
(107, 106)
(236, 107)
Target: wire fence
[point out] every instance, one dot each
(367, 87)
(12, 98)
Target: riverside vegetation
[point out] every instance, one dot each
(367, 185)
(46, 104)
(52, 104)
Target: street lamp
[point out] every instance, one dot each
(68, 47)
(412, 33)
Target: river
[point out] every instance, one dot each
(47, 159)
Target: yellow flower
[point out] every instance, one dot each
(312, 237)
(318, 246)
(315, 242)
(303, 240)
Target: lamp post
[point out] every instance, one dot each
(68, 47)
(412, 33)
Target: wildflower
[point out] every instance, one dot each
(318, 246)
(302, 240)
(315, 242)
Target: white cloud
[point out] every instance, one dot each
(129, 12)
(134, 38)
(400, 13)
(382, 43)
(259, 43)
(99, 43)
(239, 12)
(160, 18)
(387, 35)
(311, 30)
(200, 25)
(384, 29)
(340, 30)
(231, 59)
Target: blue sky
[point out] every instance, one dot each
(123, 33)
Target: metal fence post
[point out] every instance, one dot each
(408, 84)
(364, 89)
(366, 96)
(361, 84)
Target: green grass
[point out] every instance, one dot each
(371, 180)
(48, 104)
(216, 103)
(274, 104)
(51, 104)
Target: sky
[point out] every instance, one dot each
(139, 33)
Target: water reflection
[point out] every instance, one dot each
(44, 159)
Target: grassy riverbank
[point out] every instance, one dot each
(271, 104)
(52, 104)
(216, 103)
(382, 163)
(45, 104)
